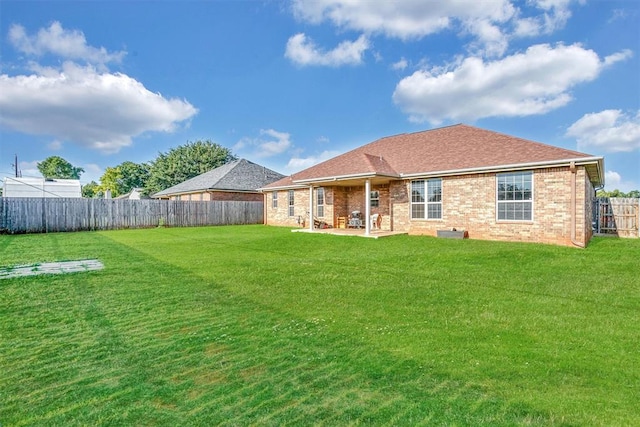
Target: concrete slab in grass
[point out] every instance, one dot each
(62, 267)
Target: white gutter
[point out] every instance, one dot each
(515, 166)
(345, 177)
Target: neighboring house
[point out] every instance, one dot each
(238, 180)
(41, 187)
(134, 194)
(491, 185)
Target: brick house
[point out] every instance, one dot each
(234, 181)
(491, 185)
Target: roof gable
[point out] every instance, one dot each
(239, 175)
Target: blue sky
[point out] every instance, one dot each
(290, 83)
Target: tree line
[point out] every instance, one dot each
(166, 170)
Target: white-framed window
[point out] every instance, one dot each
(426, 199)
(374, 197)
(274, 199)
(291, 202)
(514, 196)
(320, 201)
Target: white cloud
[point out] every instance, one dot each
(303, 51)
(277, 143)
(554, 16)
(404, 19)
(400, 65)
(297, 164)
(85, 104)
(532, 82)
(102, 111)
(491, 40)
(280, 143)
(615, 181)
(609, 130)
(68, 44)
(491, 23)
(617, 57)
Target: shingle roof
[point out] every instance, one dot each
(447, 149)
(239, 175)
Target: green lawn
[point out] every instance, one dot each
(257, 325)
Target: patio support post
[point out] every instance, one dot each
(311, 208)
(367, 204)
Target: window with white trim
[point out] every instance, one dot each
(514, 199)
(374, 198)
(274, 199)
(291, 203)
(320, 201)
(426, 199)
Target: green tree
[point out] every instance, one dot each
(185, 162)
(618, 193)
(134, 175)
(91, 190)
(123, 178)
(56, 167)
(110, 180)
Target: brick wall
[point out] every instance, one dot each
(468, 202)
(221, 196)
(280, 214)
(236, 197)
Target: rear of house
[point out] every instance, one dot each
(492, 186)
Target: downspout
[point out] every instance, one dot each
(265, 199)
(574, 177)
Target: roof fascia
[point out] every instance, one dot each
(517, 166)
(345, 177)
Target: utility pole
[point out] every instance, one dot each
(15, 165)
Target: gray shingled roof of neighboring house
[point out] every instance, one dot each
(239, 175)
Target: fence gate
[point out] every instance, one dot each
(616, 215)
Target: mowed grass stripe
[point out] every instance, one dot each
(252, 325)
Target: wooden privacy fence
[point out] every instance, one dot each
(617, 215)
(42, 215)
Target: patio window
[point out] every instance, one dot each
(274, 199)
(426, 199)
(375, 199)
(514, 196)
(291, 203)
(320, 201)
